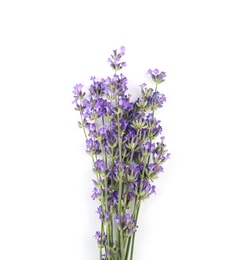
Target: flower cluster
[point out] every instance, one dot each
(126, 224)
(120, 138)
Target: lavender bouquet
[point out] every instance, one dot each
(120, 138)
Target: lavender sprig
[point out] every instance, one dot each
(120, 138)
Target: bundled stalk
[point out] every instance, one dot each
(121, 140)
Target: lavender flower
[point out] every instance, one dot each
(115, 86)
(132, 173)
(157, 76)
(96, 194)
(120, 138)
(100, 166)
(126, 224)
(115, 59)
(143, 189)
(92, 147)
(78, 92)
(97, 88)
(101, 239)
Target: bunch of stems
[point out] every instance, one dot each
(119, 220)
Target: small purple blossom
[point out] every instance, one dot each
(92, 146)
(122, 50)
(101, 239)
(77, 89)
(132, 173)
(99, 211)
(148, 148)
(125, 104)
(78, 92)
(153, 170)
(157, 76)
(95, 193)
(126, 224)
(111, 139)
(156, 100)
(103, 216)
(100, 107)
(143, 189)
(115, 59)
(97, 88)
(100, 165)
(86, 109)
(116, 86)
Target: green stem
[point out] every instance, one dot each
(131, 158)
(156, 87)
(132, 246)
(121, 242)
(128, 247)
(126, 196)
(122, 245)
(102, 231)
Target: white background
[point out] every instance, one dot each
(47, 47)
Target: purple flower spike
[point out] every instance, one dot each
(77, 88)
(95, 193)
(77, 91)
(115, 59)
(117, 219)
(100, 165)
(153, 189)
(92, 147)
(101, 239)
(167, 156)
(156, 71)
(126, 224)
(157, 76)
(143, 189)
